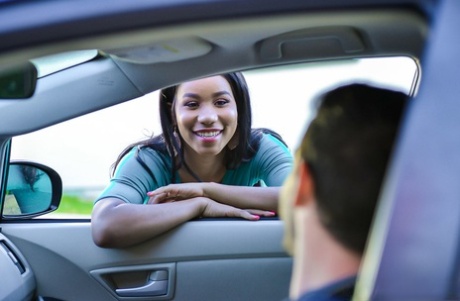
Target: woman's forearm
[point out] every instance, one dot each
(265, 198)
(119, 224)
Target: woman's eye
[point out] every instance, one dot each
(191, 104)
(221, 102)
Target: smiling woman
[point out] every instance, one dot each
(205, 164)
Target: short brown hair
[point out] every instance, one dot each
(347, 147)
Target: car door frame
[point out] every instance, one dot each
(413, 252)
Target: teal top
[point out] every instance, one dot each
(131, 181)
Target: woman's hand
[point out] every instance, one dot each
(175, 192)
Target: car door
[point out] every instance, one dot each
(202, 260)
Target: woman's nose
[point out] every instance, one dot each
(207, 115)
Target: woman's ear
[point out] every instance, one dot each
(305, 192)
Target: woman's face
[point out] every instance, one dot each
(206, 115)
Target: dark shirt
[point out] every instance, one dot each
(341, 290)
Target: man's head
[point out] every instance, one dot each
(342, 160)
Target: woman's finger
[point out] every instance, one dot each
(158, 198)
(156, 192)
(261, 212)
(247, 215)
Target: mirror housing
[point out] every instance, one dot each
(18, 82)
(32, 190)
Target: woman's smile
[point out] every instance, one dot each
(208, 134)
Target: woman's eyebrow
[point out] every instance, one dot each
(191, 95)
(215, 94)
(220, 93)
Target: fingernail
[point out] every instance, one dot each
(256, 217)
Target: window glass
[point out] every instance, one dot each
(82, 150)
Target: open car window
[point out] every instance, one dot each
(83, 149)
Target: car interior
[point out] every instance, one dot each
(93, 57)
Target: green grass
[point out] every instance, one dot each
(75, 205)
(11, 206)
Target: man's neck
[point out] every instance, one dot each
(319, 259)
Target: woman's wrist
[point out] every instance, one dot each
(207, 188)
(200, 205)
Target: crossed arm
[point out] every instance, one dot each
(116, 223)
(244, 197)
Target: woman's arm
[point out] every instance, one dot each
(117, 224)
(272, 164)
(245, 197)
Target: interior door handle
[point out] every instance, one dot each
(156, 285)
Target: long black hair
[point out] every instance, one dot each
(170, 141)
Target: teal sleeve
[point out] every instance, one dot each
(274, 160)
(132, 181)
(270, 165)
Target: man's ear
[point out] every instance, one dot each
(305, 190)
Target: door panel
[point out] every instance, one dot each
(234, 279)
(18, 281)
(205, 260)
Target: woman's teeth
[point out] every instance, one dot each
(208, 134)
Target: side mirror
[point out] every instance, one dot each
(32, 189)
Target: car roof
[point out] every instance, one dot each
(143, 49)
